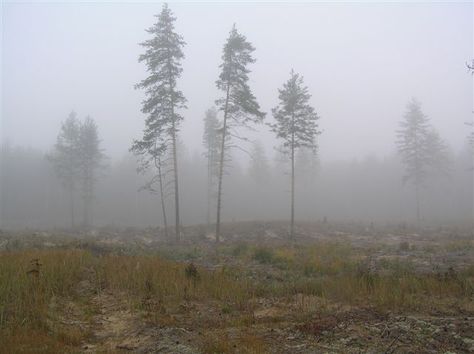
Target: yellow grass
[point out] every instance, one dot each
(331, 272)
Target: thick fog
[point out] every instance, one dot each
(362, 64)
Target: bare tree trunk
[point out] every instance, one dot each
(85, 220)
(292, 222)
(71, 204)
(90, 214)
(162, 197)
(175, 163)
(88, 196)
(417, 180)
(209, 185)
(417, 195)
(221, 167)
(176, 184)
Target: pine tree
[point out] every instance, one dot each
(90, 157)
(296, 124)
(65, 158)
(411, 143)
(163, 57)
(421, 149)
(211, 145)
(238, 104)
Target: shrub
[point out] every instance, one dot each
(263, 255)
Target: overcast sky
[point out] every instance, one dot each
(361, 61)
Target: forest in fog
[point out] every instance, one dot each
(238, 160)
(237, 177)
(368, 190)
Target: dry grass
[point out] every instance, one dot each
(168, 281)
(28, 282)
(398, 292)
(316, 276)
(339, 273)
(31, 341)
(26, 296)
(244, 343)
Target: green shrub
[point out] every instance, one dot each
(263, 255)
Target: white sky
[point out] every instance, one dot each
(361, 61)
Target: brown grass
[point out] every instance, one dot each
(244, 343)
(167, 281)
(26, 319)
(24, 298)
(320, 274)
(336, 272)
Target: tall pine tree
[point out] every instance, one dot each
(163, 56)
(238, 104)
(296, 124)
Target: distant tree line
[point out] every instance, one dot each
(366, 189)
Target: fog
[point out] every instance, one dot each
(361, 62)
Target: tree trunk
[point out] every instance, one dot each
(209, 185)
(417, 196)
(221, 167)
(292, 222)
(418, 172)
(175, 161)
(88, 196)
(162, 197)
(71, 204)
(176, 184)
(85, 218)
(85, 221)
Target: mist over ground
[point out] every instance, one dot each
(362, 63)
(237, 177)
